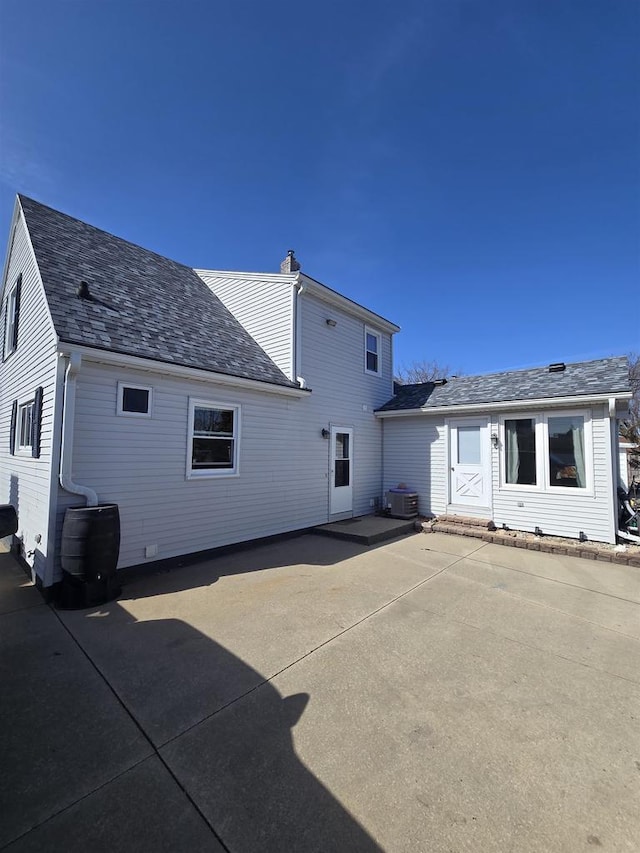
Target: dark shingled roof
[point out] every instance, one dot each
(141, 303)
(605, 376)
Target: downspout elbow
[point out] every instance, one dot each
(68, 417)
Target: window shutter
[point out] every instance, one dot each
(36, 423)
(17, 311)
(12, 431)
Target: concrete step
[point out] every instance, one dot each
(369, 529)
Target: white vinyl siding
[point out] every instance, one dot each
(264, 306)
(415, 453)
(558, 511)
(331, 360)
(283, 458)
(25, 481)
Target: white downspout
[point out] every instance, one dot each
(68, 418)
(297, 335)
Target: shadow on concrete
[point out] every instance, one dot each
(237, 761)
(180, 574)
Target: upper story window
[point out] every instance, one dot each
(11, 315)
(214, 431)
(372, 351)
(134, 401)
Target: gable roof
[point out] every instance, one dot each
(140, 304)
(584, 378)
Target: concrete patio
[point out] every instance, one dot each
(431, 694)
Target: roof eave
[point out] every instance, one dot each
(150, 365)
(321, 291)
(511, 405)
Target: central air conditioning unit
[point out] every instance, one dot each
(401, 503)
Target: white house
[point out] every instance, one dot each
(527, 449)
(215, 407)
(126, 379)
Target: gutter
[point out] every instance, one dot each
(68, 418)
(505, 405)
(167, 369)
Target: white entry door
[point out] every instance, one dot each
(470, 463)
(341, 470)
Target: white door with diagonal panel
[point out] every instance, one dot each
(469, 456)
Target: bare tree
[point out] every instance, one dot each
(422, 371)
(630, 427)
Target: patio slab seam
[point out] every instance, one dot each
(566, 613)
(555, 580)
(316, 648)
(155, 750)
(483, 628)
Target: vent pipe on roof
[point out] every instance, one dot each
(83, 291)
(557, 367)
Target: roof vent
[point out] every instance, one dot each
(558, 367)
(83, 290)
(442, 381)
(290, 263)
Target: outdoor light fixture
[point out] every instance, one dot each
(325, 433)
(494, 440)
(331, 322)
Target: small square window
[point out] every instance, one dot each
(372, 347)
(134, 401)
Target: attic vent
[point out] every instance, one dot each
(83, 290)
(442, 381)
(558, 367)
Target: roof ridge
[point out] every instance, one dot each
(537, 367)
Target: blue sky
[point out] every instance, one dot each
(470, 170)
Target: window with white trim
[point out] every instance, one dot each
(25, 426)
(547, 451)
(372, 351)
(214, 430)
(134, 401)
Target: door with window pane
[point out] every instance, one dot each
(470, 472)
(341, 470)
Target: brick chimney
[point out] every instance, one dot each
(290, 264)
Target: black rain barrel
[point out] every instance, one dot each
(91, 542)
(8, 520)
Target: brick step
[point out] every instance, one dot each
(545, 544)
(466, 521)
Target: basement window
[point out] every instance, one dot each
(134, 401)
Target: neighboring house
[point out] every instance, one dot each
(628, 453)
(528, 449)
(217, 407)
(127, 379)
